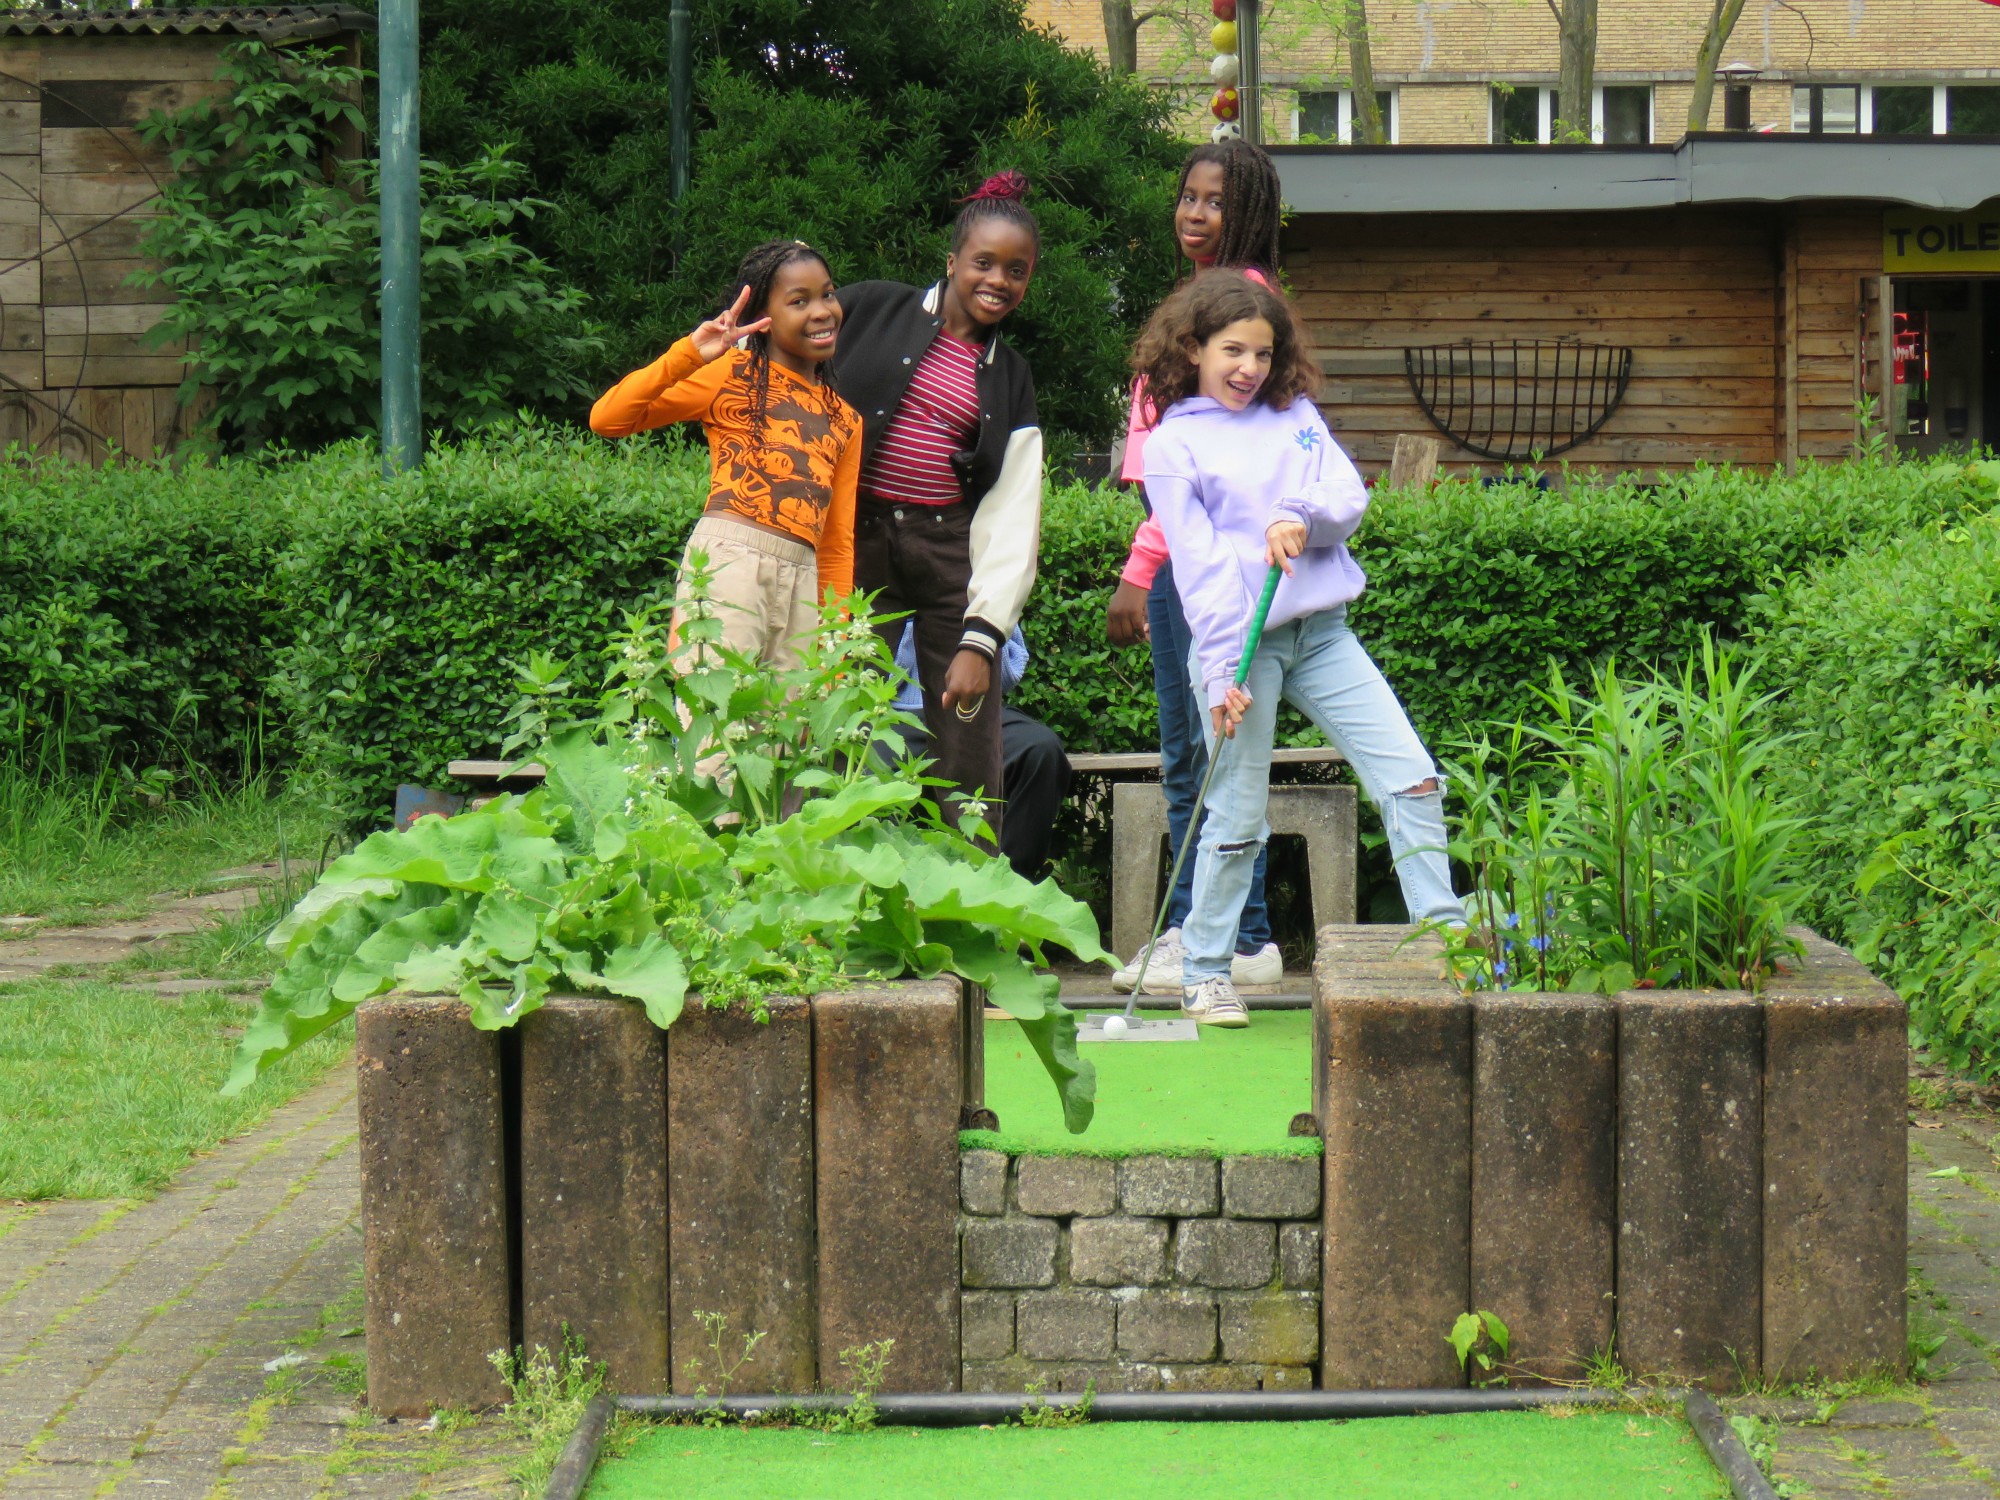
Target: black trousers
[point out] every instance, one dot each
(917, 560)
(1036, 777)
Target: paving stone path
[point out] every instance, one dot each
(146, 1349)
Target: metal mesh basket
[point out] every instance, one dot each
(1518, 398)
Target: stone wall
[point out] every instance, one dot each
(1152, 1273)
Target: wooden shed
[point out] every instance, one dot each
(78, 375)
(1730, 299)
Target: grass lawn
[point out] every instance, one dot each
(84, 851)
(107, 1092)
(1228, 1092)
(1515, 1455)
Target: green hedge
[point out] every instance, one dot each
(1888, 666)
(139, 613)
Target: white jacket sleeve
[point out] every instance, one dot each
(1332, 503)
(1006, 540)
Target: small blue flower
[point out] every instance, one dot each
(1539, 944)
(1512, 919)
(1500, 969)
(1307, 438)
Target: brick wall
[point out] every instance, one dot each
(1421, 46)
(1153, 1273)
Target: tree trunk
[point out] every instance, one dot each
(1720, 24)
(1579, 65)
(1369, 127)
(1121, 38)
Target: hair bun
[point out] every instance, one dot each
(1009, 184)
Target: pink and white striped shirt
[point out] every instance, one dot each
(939, 417)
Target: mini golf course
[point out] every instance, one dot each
(1227, 1093)
(1518, 1455)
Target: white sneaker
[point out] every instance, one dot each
(1214, 1002)
(1265, 966)
(1166, 955)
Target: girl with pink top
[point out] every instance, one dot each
(1226, 214)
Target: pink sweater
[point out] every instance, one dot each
(1149, 542)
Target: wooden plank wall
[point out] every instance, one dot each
(1837, 249)
(1694, 293)
(77, 190)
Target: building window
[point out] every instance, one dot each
(1624, 115)
(1522, 114)
(1972, 110)
(1900, 109)
(1826, 109)
(1328, 118)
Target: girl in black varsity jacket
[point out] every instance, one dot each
(949, 516)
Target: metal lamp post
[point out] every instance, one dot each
(402, 249)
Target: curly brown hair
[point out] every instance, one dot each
(1199, 310)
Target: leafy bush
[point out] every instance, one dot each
(139, 614)
(276, 267)
(1627, 836)
(1890, 665)
(715, 827)
(851, 125)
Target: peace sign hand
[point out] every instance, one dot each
(719, 334)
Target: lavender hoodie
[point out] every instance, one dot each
(1218, 479)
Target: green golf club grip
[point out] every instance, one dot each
(1257, 623)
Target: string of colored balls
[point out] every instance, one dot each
(1226, 70)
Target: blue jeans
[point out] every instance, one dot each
(1318, 666)
(1184, 756)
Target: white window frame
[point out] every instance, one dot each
(1864, 111)
(1597, 110)
(1346, 110)
(1545, 101)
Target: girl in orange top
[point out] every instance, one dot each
(784, 449)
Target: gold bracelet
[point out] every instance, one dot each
(964, 717)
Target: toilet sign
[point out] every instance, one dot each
(1916, 239)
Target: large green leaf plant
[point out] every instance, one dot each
(720, 830)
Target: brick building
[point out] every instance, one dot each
(1477, 72)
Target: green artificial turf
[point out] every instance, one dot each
(1226, 1093)
(1502, 1455)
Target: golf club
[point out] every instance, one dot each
(1250, 642)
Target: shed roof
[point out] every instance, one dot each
(1944, 172)
(273, 23)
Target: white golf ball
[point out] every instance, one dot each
(1115, 1026)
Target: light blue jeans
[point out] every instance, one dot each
(1318, 666)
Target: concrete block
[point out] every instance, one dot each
(1270, 1187)
(1167, 1325)
(1270, 1328)
(1065, 1186)
(435, 1257)
(1225, 1252)
(1286, 1378)
(1009, 1252)
(1064, 1325)
(740, 1192)
(594, 1187)
(1836, 1186)
(886, 1099)
(982, 1182)
(1393, 1060)
(1181, 1187)
(1299, 1256)
(1210, 1378)
(1690, 1147)
(986, 1323)
(1545, 1173)
(1118, 1252)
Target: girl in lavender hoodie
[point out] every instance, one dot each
(1243, 476)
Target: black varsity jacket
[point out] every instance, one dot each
(886, 327)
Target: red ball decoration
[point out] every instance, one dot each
(1225, 10)
(1223, 106)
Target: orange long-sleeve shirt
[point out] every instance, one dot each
(798, 481)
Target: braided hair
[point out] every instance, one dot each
(758, 271)
(998, 197)
(1252, 204)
